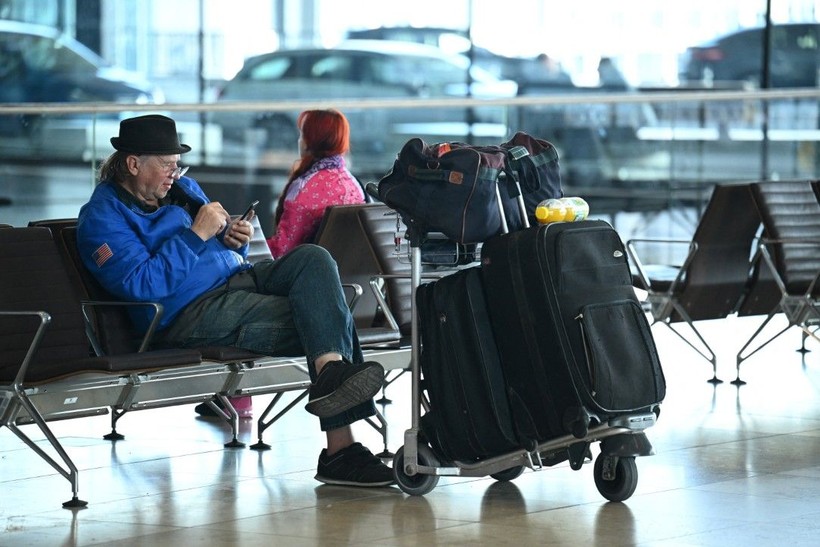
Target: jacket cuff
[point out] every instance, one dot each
(193, 241)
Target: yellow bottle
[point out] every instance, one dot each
(550, 210)
(577, 209)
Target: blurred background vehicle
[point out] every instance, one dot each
(735, 59)
(361, 69)
(597, 142)
(522, 70)
(39, 64)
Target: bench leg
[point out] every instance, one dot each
(262, 425)
(69, 472)
(385, 400)
(706, 352)
(381, 427)
(740, 357)
(231, 416)
(116, 414)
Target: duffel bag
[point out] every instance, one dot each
(535, 163)
(451, 190)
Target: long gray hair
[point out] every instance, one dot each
(114, 167)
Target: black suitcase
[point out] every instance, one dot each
(469, 416)
(575, 345)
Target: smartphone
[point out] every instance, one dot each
(245, 215)
(251, 207)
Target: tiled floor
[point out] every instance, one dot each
(732, 467)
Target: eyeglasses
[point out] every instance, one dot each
(177, 171)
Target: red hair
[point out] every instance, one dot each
(324, 133)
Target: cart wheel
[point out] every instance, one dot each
(418, 484)
(508, 474)
(618, 483)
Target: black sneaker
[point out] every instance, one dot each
(205, 410)
(342, 385)
(354, 465)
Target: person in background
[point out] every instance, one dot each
(150, 234)
(318, 180)
(609, 77)
(550, 71)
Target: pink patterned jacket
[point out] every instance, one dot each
(326, 183)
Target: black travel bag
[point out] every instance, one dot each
(469, 416)
(534, 162)
(436, 188)
(470, 193)
(576, 348)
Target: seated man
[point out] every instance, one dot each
(150, 234)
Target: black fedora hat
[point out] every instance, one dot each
(151, 134)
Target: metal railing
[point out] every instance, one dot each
(634, 151)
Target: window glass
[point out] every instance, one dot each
(11, 58)
(333, 67)
(440, 73)
(273, 69)
(806, 38)
(38, 53)
(396, 70)
(781, 37)
(45, 55)
(65, 60)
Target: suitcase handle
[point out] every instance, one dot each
(522, 208)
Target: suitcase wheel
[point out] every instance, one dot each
(508, 474)
(420, 483)
(616, 477)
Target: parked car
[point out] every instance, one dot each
(522, 70)
(361, 70)
(738, 58)
(597, 142)
(38, 64)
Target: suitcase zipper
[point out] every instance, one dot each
(587, 355)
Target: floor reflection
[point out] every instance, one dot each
(732, 466)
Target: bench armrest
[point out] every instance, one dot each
(45, 319)
(632, 251)
(93, 335)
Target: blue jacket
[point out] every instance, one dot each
(152, 257)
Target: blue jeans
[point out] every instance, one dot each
(291, 306)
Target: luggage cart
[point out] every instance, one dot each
(417, 468)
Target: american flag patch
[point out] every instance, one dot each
(102, 254)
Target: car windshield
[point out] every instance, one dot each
(43, 54)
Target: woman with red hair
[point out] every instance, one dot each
(318, 180)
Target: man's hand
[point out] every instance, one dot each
(239, 233)
(210, 220)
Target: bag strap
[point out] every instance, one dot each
(520, 162)
(440, 175)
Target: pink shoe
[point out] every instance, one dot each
(243, 406)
